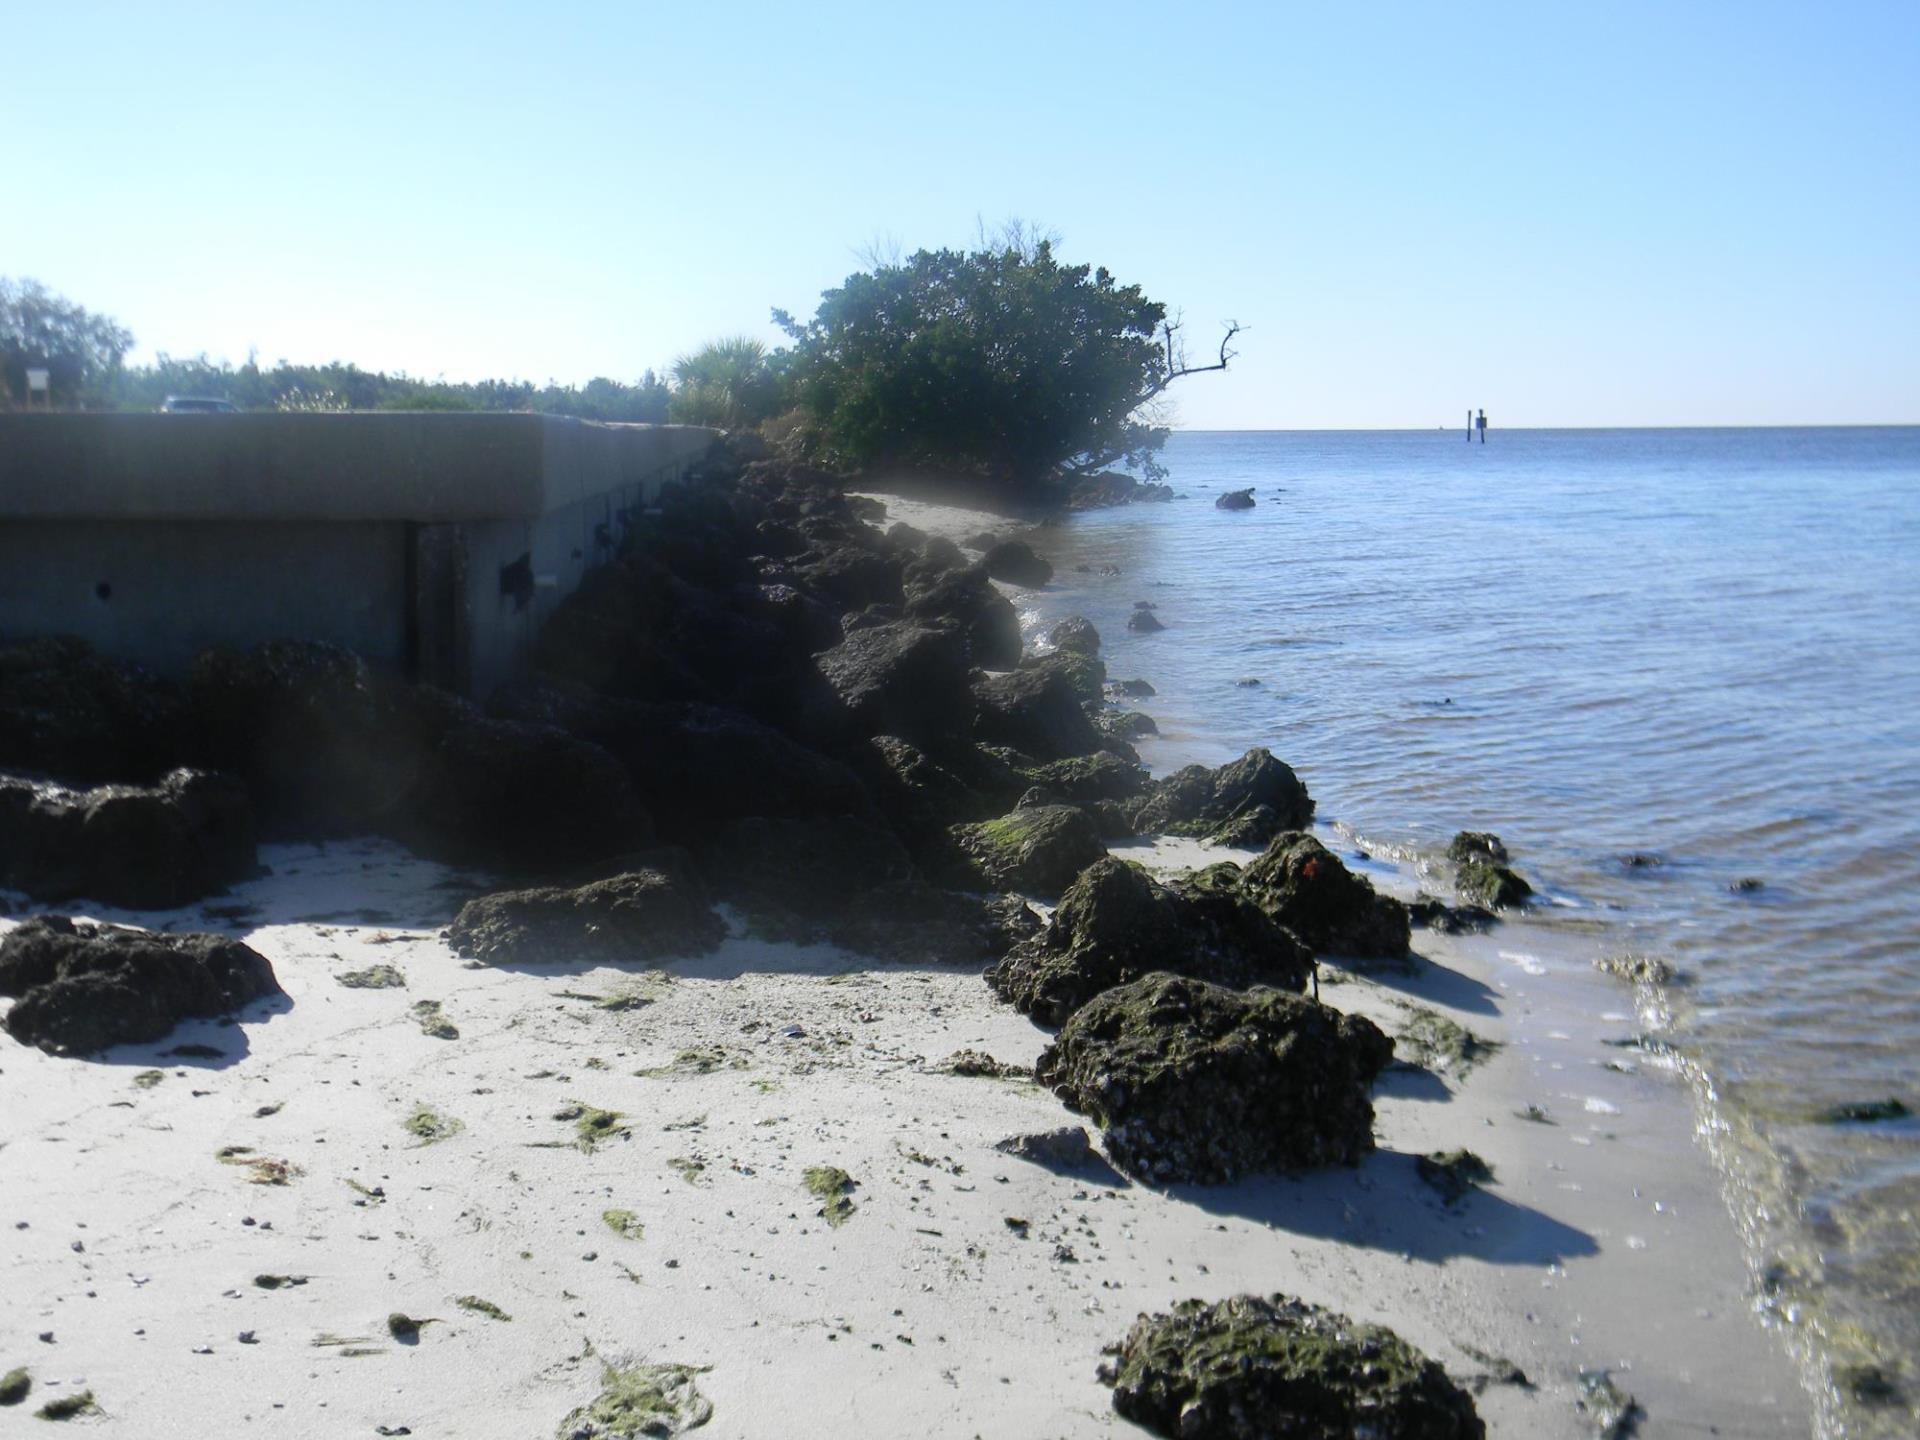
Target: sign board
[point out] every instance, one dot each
(37, 380)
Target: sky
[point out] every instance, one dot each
(1569, 214)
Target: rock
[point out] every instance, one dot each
(919, 797)
(1084, 779)
(1035, 711)
(1448, 919)
(1085, 674)
(1132, 689)
(1066, 1148)
(1116, 924)
(1303, 885)
(1235, 500)
(302, 724)
(1110, 488)
(1476, 845)
(1198, 801)
(1455, 1174)
(1250, 1368)
(1075, 633)
(853, 577)
(966, 599)
(138, 846)
(655, 907)
(1014, 562)
(1144, 622)
(517, 796)
(902, 679)
(80, 988)
(696, 767)
(1125, 724)
(981, 540)
(66, 712)
(1494, 886)
(1037, 851)
(1194, 1082)
(807, 870)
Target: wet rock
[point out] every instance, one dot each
(655, 907)
(518, 796)
(1132, 689)
(1476, 845)
(1075, 634)
(1143, 621)
(1036, 850)
(1250, 1368)
(1084, 779)
(1125, 724)
(145, 847)
(1495, 887)
(68, 713)
(965, 599)
(901, 679)
(80, 988)
(1198, 801)
(1014, 562)
(1235, 500)
(1303, 885)
(1436, 914)
(1084, 673)
(807, 870)
(1194, 1082)
(1036, 711)
(1636, 969)
(1116, 924)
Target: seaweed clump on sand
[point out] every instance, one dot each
(482, 1307)
(69, 1407)
(1431, 1041)
(15, 1386)
(429, 1126)
(644, 1402)
(1250, 1367)
(591, 1125)
(1193, 1082)
(833, 1188)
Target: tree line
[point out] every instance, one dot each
(1000, 362)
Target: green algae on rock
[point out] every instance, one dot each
(1431, 1041)
(1470, 845)
(374, 977)
(433, 1023)
(1454, 1173)
(1495, 886)
(482, 1307)
(1036, 850)
(1636, 969)
(643, 1402)
(15, 1386)
(429, 1126)
(1194, 1082)
(1251, 1368)
(1613, 1413)
(624, 1223)
(833, 1188)
(1304, 886)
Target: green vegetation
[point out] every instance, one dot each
(147, 1079)
(81, 351)
(832, 1187)
(430, 1127)
(624, 1223)
(374, 977)
(69, 1407)
(642, 1403)
(1000, 360)
(482, 1307)
(433, 1023)
(590, 1125)
(725, 383)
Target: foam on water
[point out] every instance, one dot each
(1679, 673)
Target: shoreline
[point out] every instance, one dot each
(969, 1291)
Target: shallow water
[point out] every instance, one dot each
(1696, 648)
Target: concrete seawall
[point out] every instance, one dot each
(433, 544)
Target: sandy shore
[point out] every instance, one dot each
(133, 1248)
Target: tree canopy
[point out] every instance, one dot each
(1000, 360)
(41, 330)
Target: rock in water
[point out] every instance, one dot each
(146, 847)
(1014, 562)
(1037, 850)
(1076, 634)
(1193, 1082)
(1115, 924)
(1476, 845)
(1253, 1368)
(1481, 874)
(1235, 500)
(657, 907)
(1231, 799)
(81, 988)
(1303, 885)
(1144, 621)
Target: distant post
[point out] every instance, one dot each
(1469, 424)
(1482, 423)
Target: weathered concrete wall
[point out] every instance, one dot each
(159, 591)
(433, 543)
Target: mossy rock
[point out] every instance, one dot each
(655, 909)
(1197, 801)
(1433, 1042)
(1495, 886)
(1470, 845)
(642, 1402)
(1194, 1082)
(1303, 886)
(1087, 674)
(1116, 924)
(1085, 779)
(1037, 850)
(1253, 1368)
(1454, 1173)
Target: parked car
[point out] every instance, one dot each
(197, 405)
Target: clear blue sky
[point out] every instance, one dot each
(1570, 214)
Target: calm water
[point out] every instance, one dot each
(1699, 646)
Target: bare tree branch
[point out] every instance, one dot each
(1177, 367)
